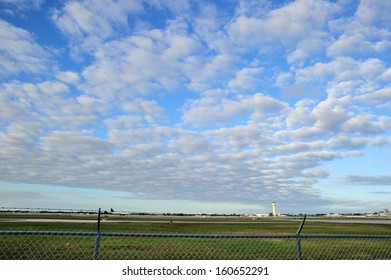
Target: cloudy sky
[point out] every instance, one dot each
(196, 106)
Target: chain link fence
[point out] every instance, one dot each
(57, 245)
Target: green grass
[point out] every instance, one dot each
(124, 247)
(199, 225)
(45, 247)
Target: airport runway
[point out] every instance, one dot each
(340, 221)
(353, 221)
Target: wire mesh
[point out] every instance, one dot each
(44, 245)
(195, 247)
(339, 247)
(41, 245)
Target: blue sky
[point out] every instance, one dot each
(196, 106)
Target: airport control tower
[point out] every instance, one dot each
(274, 209)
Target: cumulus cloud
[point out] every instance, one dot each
(88, 22)
(367, 180)
(246, 78)
(345, 142)
(14, 7)
(151, 111)
(51, 104)
(343, 69)
(198, 102)
(381, 97)
(20, 53)
(139, 65)
(68, 77)
(210, 110)
(367, 124)
(176, 7)
(330, 116)
(346, 43)
(374, 12)
(366, 32)
(301, 115)
(297, 26)
(263, 104)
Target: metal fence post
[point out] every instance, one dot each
(298, 241)
(95, 256)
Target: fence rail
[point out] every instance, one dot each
(169, 246)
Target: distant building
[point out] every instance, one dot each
(261, 215)
(385, 213)
(333, 215)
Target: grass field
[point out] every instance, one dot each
(125, 247)
(163, 224)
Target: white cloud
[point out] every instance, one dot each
(21, 135)
(304, 160)
(190, 145)
(92, 105)
(346, 143)
(210, 72)
(299, 147)
(381, 97)
(11, 110)
(330, 115)
(246, 78)
(15, 7)
(253, 8)
(68, 77)
(367, 180)
(367, 124)
(335, 115)
(367, 32)
(264, 104)
(51, 104)
(124, 132)
(289, 24)
(88, 23)
(302, 133)
(345, 75)
(283, 79)
(145, 151)
(178, 7)
(348, 44)
(89, 18)
(301, 115)
(211, 111)
(214, 110)
(139, 65)
(306, 49)
(372, 68)
(376, 12)
(148, 109)
(238, 139)
(343, 68)
(123, 122)
(73, 144)
(20, 53)
(185, 100)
